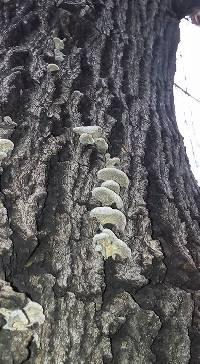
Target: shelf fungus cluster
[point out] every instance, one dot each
(109, 214)
(92, 135)
(113, 179)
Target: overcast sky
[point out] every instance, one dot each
(188, 78)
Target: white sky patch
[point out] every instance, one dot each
(188, 78)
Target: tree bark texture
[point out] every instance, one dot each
(117, 72)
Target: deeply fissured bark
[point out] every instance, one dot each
(117, 72)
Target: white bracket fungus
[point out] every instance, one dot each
(22, 319)
(112, 162)
(115, 174)
(34, 312)
(8, 121)
(107, 215)
(59, 56)
(101, 144)
(109, 245)
(59, 43)
(94, 130)
(112, 185)
(86, 139)
(2, 155)
(52, 67)
(15, 319)
(107, 197)
(6, 145)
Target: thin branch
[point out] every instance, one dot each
(185, 92)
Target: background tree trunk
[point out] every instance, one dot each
(118, 73)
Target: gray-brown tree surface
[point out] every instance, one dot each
(117, 72)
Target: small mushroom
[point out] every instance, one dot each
(6, 145)
(101, 144)
(112, 185)
(58, 43)
(59, 56)
(107, 197)
(86, 139)
(94, 130)
(107, 215)
(109, 245)
(16, 320)
(112, 162)
(114, 174)
(52, 67)
(34, 312)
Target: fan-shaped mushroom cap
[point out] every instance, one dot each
(52, 67)
(112, 185)
(94, 130)
(6, 145)
(109, 245)
(107, 215)
(115, 174)
(112, 162)
(107, 197)
(86, 139)
(58, 43)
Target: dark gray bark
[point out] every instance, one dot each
(118, 73)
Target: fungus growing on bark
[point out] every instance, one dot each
(109, 245)
(112, 162)
(107, 215)
(2, 155)
(22, 319)
(6, 145)
(94, 130)
(52, 67)
(86, 139)
(8, 120)
(58, 43)
(59, 56)
(112, 185)
(15, 319)
(34, 312)
(114, 174)
(101, 144)
(107, 197)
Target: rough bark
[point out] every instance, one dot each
(118, 73)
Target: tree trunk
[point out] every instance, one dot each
(117, 72)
